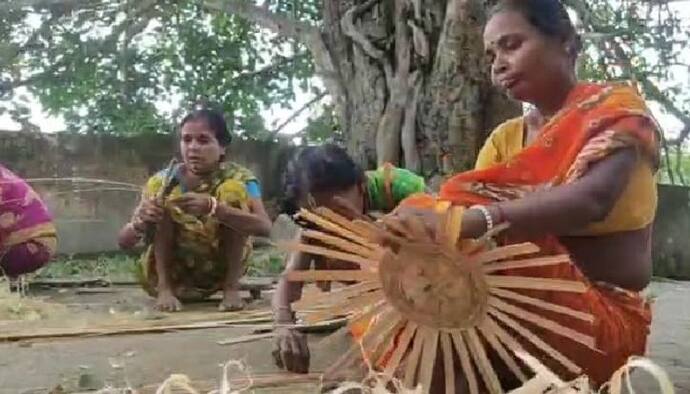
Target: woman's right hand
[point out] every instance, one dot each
(150, 211)
(290, 350)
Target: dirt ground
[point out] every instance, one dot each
(80, 364)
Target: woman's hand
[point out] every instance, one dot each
(149, 211)
(194, 203)
(291, 350)
(412, 223)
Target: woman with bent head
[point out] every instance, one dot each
(574, 175)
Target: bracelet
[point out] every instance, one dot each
(214, 206)
(487, 216)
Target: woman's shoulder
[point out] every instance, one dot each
(508, 129)
(233, 171)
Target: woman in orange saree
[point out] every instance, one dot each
(575, 175)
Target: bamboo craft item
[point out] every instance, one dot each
(422, 300)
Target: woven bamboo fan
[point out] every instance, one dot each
(432, 299)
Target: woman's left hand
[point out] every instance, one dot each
(413, 223)
(194, 203)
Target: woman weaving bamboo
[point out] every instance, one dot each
(327, 176)
(575, 175)
(203, 212)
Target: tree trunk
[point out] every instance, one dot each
(414, 84)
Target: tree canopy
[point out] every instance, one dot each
(131, 66)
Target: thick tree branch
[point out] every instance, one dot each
(46, 4)
(282, 25)
(297, 113)
(308, 35)
(350, 30)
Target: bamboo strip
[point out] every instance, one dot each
(353, 226)
(335, 296)
(534, 283)
(428, 360)
(548, 306)
(341, 243)
(73, 332)
(245, 339)
(382, 323)
(543, 322)
(369, 230)
(347, 307)
(334, 228)
(527, 263)
(486, 370)
(371, 311)
(490, 336)
(505, 252)
(383, 348)
(466, 362)
(404, 343)
(503, 336)
(538, 342)
(412, 361)
(448, 370)
(320, 251)
(335, 275)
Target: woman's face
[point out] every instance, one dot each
(200, 149)
(525, 63)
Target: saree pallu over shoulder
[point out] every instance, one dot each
(595, 121)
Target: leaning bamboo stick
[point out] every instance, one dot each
(547, 306)
(466, 362)
(490, 336)
(428, 359)
(337, 275)
(542, 322)
(334, 228)
(412, 360)
(534, 283)
(320, 251)
(527, 263)
(538, 342)
(340, 243)
(405, 339)
(491, 382)
(448, 369)
(352, 226)
(505, 252)
(347, 307)
(334, 296)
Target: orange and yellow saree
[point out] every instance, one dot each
(596, 121)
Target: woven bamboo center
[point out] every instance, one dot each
(431, 289)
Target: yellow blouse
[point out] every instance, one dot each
(634, 210)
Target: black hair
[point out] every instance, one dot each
(215, 121)
(549, 17)
(325, 168)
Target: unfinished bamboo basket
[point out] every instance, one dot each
(422, 299)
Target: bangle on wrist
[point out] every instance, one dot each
(213, 206)
(487, 216)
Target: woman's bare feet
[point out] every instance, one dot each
(231, 301)
(167, 302)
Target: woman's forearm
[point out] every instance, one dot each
(288, 292)
(561, 209)
(242, 221)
